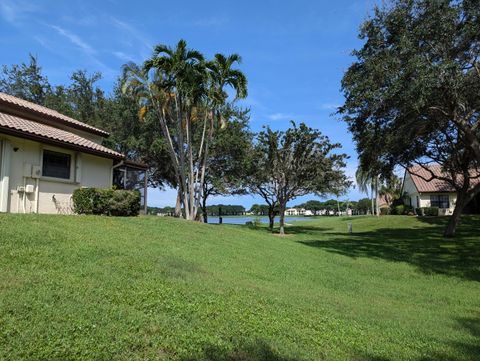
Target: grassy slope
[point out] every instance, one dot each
(154, 288)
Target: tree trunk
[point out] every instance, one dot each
(463, 198)
(271, 217)
(373, 204)
(377, 208)
(282, 218)
(204, 207)
(178, 205)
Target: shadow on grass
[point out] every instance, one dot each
(462, 350)
(258, 351)
(424, 248)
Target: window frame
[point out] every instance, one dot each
(439, 202)
(71, 178)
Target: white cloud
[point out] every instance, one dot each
(75, 39)
(90, 53)
(329, 106)
(122, 56)
(132, 31)
(16, 11)
(280, 116)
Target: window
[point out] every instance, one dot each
(56, 165)
(440, 201)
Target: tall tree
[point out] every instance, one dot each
(414, 89)
(227, 159)
(184, 92)
(297, 162)
(25, 81)
(366, 182)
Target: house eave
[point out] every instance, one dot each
(58, 143)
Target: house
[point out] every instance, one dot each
(295, 212)
(420, 190)
(45, 156)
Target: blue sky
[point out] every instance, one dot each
(294, 52)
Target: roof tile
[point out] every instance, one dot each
(41, 110)
(425, 183)
(31, 127)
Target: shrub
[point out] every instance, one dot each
(402, 209)
(398, 210)
(83, 200)
(384, 211)
(430, 211)
(408, 210)
(106, 201)
(419, 212)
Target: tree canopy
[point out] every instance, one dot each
(298, 161)
(411, 96)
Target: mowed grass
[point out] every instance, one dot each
(148, 288)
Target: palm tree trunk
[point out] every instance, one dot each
(178, 205)
(191, 175)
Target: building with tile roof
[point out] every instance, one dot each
(45, 156)
(421, 188)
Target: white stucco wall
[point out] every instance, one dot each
(54, 195)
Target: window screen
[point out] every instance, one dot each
(440, 201)
(56, 165)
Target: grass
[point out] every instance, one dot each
(147, 288)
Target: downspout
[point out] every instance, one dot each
(24, 199)
(37, 184)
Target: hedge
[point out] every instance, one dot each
(402, 209)
(110, 202)
(430, 211)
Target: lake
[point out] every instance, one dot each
(263, 219)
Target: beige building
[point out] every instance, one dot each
(45, 156)
(420, 190)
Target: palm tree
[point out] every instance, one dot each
(367, 180)
(391, 189)
(220, 74)
(179, 86)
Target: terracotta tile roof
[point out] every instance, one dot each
(26, 128)
(419, 174)
(43, 111)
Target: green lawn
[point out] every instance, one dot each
(157, 288)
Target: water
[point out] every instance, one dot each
(263, 219)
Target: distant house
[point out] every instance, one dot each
(295, 212)
(45, 156)
(418, 192)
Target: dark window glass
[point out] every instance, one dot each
(119, 178)
(440, 201)
(56, 165)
